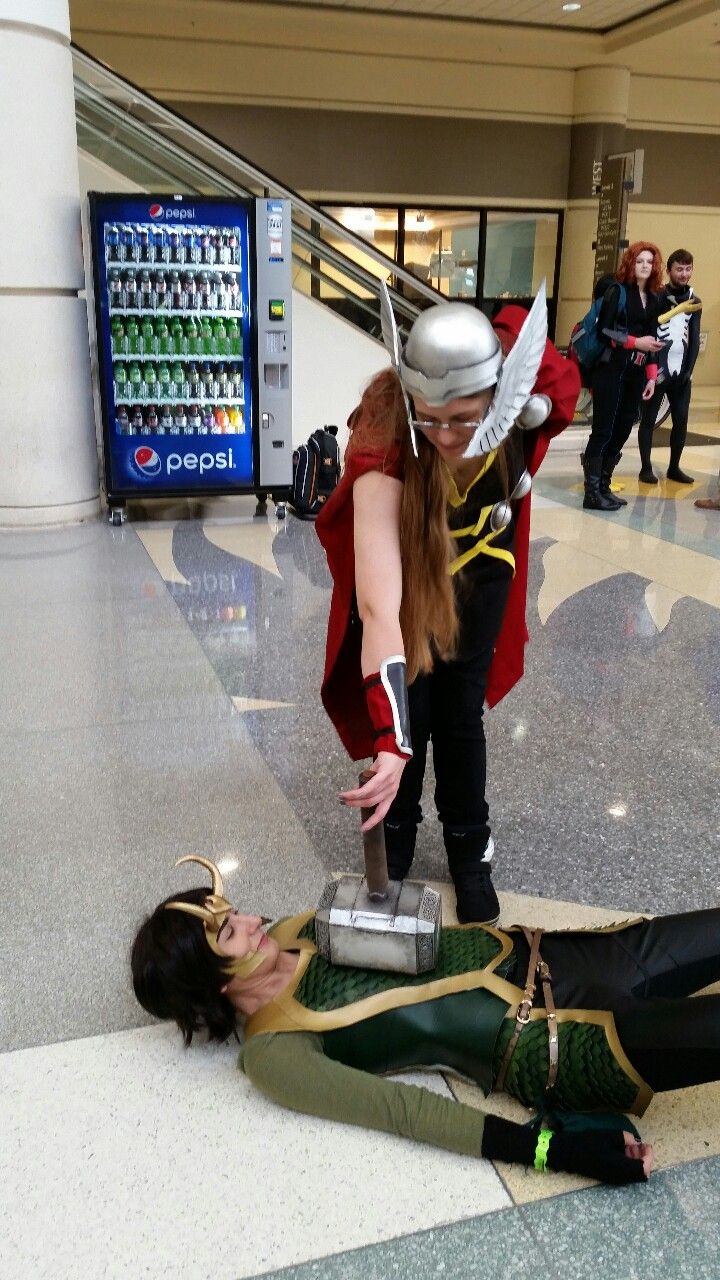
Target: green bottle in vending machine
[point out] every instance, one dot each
(135, 378)
(234, 338)
(163, 337)
(206, 337)
(147, 337)
(164, 380)
(117, 332)
(178, 337)
(192, 337)
(132, 336)
(220, 338)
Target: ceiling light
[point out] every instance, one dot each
(618, 810)
(571, 8)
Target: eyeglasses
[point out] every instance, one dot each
(421, 424)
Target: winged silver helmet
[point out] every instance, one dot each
(452, 351)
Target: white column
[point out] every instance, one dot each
(48, 452)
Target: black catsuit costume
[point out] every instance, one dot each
(447, 705)
(619, 376)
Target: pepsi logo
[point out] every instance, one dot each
(147, 460)
(156, 211)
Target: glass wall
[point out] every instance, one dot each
(441, 248)
(484, 256)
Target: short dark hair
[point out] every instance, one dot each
(176, 975)
(683, 256)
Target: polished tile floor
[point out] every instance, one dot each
(158, 696)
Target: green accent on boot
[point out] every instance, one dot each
(589, 1076)
(325, 986)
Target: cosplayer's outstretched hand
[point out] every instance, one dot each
(608, 1155)
(649, 389)
(380, 791)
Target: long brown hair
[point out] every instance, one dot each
(428, 612)
(626, 271)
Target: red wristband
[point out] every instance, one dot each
(651, 372)
(386, 696)
(630, 342)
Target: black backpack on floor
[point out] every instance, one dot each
(316, 471)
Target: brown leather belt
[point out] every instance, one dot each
(536, 967)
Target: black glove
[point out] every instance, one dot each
(594, 1153)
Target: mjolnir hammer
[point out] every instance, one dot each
(372, 922)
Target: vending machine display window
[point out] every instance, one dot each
(178, 343)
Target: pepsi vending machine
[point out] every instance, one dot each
(193, 309)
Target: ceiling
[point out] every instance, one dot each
(593, 15)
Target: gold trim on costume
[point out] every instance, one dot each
(285, 1013)
(455, 498)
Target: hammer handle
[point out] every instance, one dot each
(376, 872)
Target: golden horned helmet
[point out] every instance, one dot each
(213, 913)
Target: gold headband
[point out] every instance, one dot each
(213, 913)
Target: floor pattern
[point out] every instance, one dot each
(159, 696)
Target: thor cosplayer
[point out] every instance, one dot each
(576, 1022)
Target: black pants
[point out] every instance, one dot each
(447, 707)
(678, 394)
(617, 388)
(644, 975)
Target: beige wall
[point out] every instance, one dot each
(347, 105)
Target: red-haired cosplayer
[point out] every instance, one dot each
(625, 373)
(427, 541)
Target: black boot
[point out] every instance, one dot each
(680, 477)
(400, 837)
(647, 475)
(609, 464)
(470, 868)
(594, 500)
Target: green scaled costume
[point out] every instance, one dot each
(459, 1017)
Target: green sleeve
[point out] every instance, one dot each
(292, 1069)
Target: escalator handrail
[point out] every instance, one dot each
(263, 179)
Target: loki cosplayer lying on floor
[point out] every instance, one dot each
(583, 1021)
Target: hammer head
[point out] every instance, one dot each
(399, 934)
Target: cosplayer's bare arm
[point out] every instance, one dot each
(378, 567)
(378, 588)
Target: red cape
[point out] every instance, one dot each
(342, 689)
